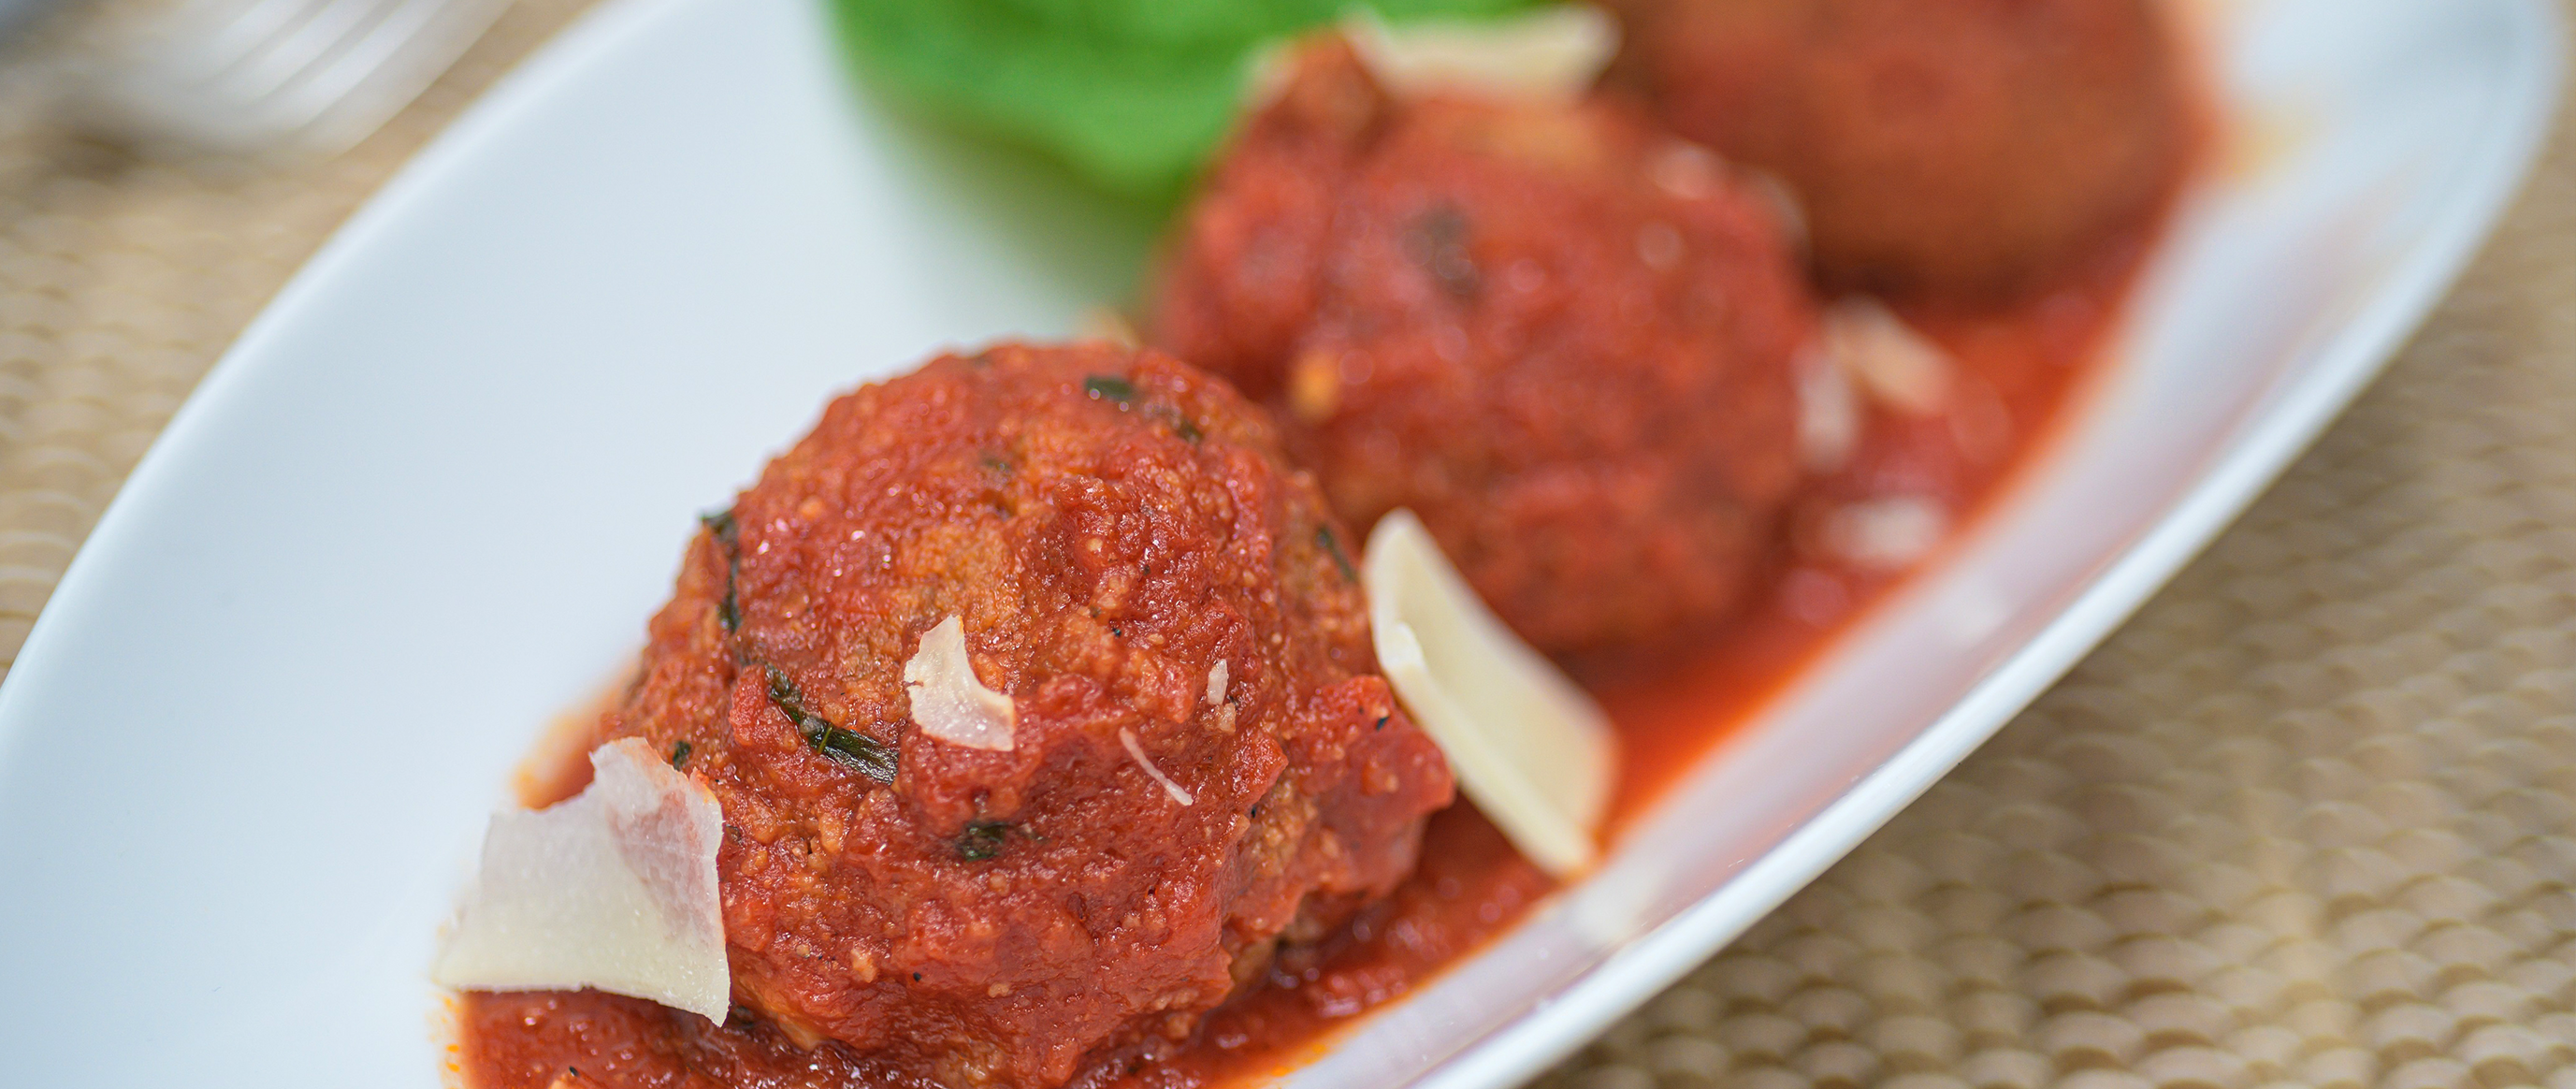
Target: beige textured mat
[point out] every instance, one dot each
(2305, 821)
(122, 279)
(2309, 820)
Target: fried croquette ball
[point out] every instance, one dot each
(1037, 692)
(1562, 337)
(1946, 150)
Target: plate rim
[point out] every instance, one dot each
(2500, 164)
(561, 58)
(2504, 152)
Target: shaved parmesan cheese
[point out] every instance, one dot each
(1103, 323)
(1531, 749)
(1552, 54)
(1267, 72)
(948, 703)
(1216, 683)
(1891, 361)
(1786, 209)
(1887, 534)
(614, 889)
(1686, 170)
(1829, 418)
(1172, 789)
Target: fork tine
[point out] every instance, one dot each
(248, 76)
(270, 67)
(339, 104)
(208, 37)
(337, 77)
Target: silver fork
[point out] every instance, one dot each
(264, 76)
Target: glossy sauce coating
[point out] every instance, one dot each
(1561, 337)
(1670, 710)
(1960, 151)
(2020, 366)
(1205, 758)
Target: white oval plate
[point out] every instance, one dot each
(430, 497)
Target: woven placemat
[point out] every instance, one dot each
(123, 278)
(2306, 821)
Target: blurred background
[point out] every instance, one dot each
(2308, 820)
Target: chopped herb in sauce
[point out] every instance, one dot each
(728, 537)
(680, 755)
(1438, 242)
(869, 756)
(859, 752)
(783, 693)
(1110, 387)
(983, 840)
(1332, 546)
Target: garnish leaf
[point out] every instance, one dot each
(728, 537)
(1332, 546)
(721, 521)
(983, 840)
(1134, 96)
(1110, 387)
(857, 751)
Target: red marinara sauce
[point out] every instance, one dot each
(2029, 366)
(2026, 367)
(2022, 369)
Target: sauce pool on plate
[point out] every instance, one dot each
(2029, 365)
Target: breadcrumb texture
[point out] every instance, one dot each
(1109, 525)
(1961, 151)
(1560, 336)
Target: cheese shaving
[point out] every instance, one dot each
(1216, 683)
(1533, 751)
(1103, 323)
(1551, 54)
(613, 889)
(1887, 534)
(1176, 792)
(1829, 416)
(1893, 363)
(948, 702)
(1787, 211)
